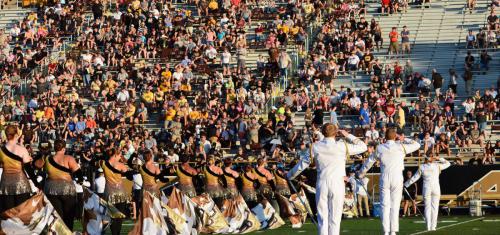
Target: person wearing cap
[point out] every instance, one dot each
(431, 191)
(330, 158)
(391, 156)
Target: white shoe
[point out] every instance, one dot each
(393, 233)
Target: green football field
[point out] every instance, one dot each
(454, 225)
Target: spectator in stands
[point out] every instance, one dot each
(405, 40)
(437, 82)
(393, 41)
(475, 160)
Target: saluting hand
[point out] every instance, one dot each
(344, 133)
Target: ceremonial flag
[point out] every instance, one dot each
(301, 204)
(267, 216)
(288, 210)
(182, 205)
(151, 218)
(34, 216)
(238, 216)
(212, 220)
(97, 213)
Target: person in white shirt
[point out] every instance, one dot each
(123, 96)
(391, 156)
(225, 60)
(100, 183)
(353, 62)
(430, 171)
(354, 101)
(362, 196)
(330, 158)
(372, 134)
(428, 142)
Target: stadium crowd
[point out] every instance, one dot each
(146, 77)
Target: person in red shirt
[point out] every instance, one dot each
(393, 38)
(385, 6)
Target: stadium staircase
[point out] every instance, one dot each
(11, 14)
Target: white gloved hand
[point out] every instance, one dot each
(86, 184)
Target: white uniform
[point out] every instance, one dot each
(100, 185)
(391, 156)
(432, 191)
(329, 157)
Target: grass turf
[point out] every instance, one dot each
(446, 225)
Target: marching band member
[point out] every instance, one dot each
(213, 187)
(185, 173)
(231, 176)
(330, 157)
(249, 182)
(150, 173)
(14, 184)
(59, 186)
(266, 180)
(114, 191)
(391, 156)
(430, 171)
(282, 187)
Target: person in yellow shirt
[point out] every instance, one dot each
(166, 74)
(294, 30)
(401, 116)
(39, 114)
(148, 97)
(159, 98)
(130, 112)
(284, 28)
(185, 86)
(164, 85)
(182, 101)
(171, 112)
(194, 115)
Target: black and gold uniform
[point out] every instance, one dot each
(265, 190)
(185, 181)
(231, 189)
(114, 193)
(149, 181)
(60, 190)
(212, 184)
(282, 187)
(14, 185)
(248, 188)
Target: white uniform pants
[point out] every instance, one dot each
(330, 195)
(432, 194)
(391, 191)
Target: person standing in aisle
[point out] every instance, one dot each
(330, 157)
(391, 157)
(430, 171)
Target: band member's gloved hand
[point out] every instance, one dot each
(406, 185)
(86, 184)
